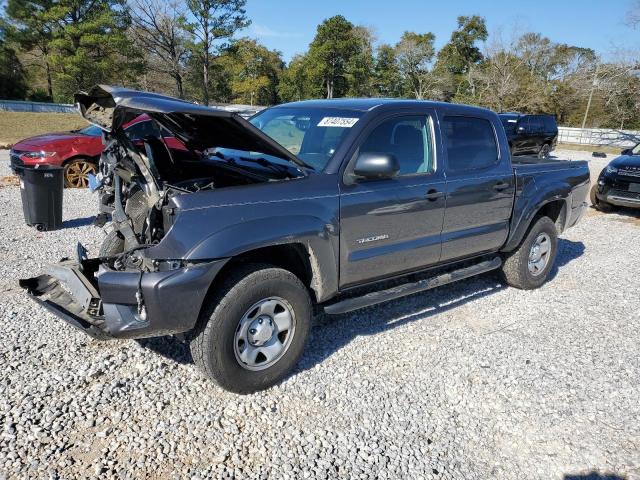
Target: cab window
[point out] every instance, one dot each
(408, 139)
(470, 143)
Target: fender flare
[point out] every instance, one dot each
(319, 239)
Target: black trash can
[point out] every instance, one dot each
(41, 189)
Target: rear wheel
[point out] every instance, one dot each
(253, 331)
(597, 203)
(76, 172)
(529, 265)
(545, 151)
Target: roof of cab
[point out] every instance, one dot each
(366, 104)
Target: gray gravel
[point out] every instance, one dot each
(474, 380)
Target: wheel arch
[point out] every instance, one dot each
(555, 208)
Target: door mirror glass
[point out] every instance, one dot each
(374, 165)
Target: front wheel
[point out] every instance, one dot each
(529, 265)
(597, 203)
(253, 331)
(76, 173)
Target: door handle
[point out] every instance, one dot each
(433, 194)
(501, 186)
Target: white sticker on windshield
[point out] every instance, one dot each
(344, 122)
(512, 121)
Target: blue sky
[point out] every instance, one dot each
(289, 25)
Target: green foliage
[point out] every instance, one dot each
(213, 22)
(52, 48)
(13, 84)
(330, 53)
(414, 53)
(294, 82)
(462, 50)
(254, 72)
(387, 81)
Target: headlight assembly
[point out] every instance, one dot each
(40, 154)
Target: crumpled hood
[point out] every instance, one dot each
(197, 127)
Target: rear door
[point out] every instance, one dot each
(393, 226)
(480, 188)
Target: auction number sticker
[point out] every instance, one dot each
(344, 122)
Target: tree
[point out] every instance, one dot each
(415, 53)
(89, 45)
(214, 21)
(13, 83)
(158, 28)
(330, 53)
(360, 66)
(254, 72)
(460, 55)
(461, 52)
(33, 31)
(294, 82)
(386, 75)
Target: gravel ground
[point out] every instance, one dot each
(474, 380)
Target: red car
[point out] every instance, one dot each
(77, 151)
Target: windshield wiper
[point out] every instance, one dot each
(263, 162)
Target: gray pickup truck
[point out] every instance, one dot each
(232, 233)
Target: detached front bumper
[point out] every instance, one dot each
(123, 304)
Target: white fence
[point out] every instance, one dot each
(20, 106)
(599, 136)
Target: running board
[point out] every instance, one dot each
(373, 298)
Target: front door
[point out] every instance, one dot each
(480, 188)
(393, 226)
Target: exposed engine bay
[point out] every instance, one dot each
(191, 149)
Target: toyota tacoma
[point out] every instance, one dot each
(235, 241)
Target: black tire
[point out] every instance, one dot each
(545, 151)
(212, 341)
(515, 268)
(113, 244)
(597, 203)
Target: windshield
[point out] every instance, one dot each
(91, 131)
(312, 134)
(636, 150)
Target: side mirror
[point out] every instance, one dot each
(627, 151)
(374, 165)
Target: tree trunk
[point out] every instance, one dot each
(49, 80)
(179, 87)
(205, 79)
(329, 88)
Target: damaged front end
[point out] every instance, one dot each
(106, 303)
(143, 283)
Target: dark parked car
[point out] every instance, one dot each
(328, 205)
(619, 182)
(530, 134)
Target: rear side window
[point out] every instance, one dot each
(470, 143)
(549, 124)
(536, 125)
